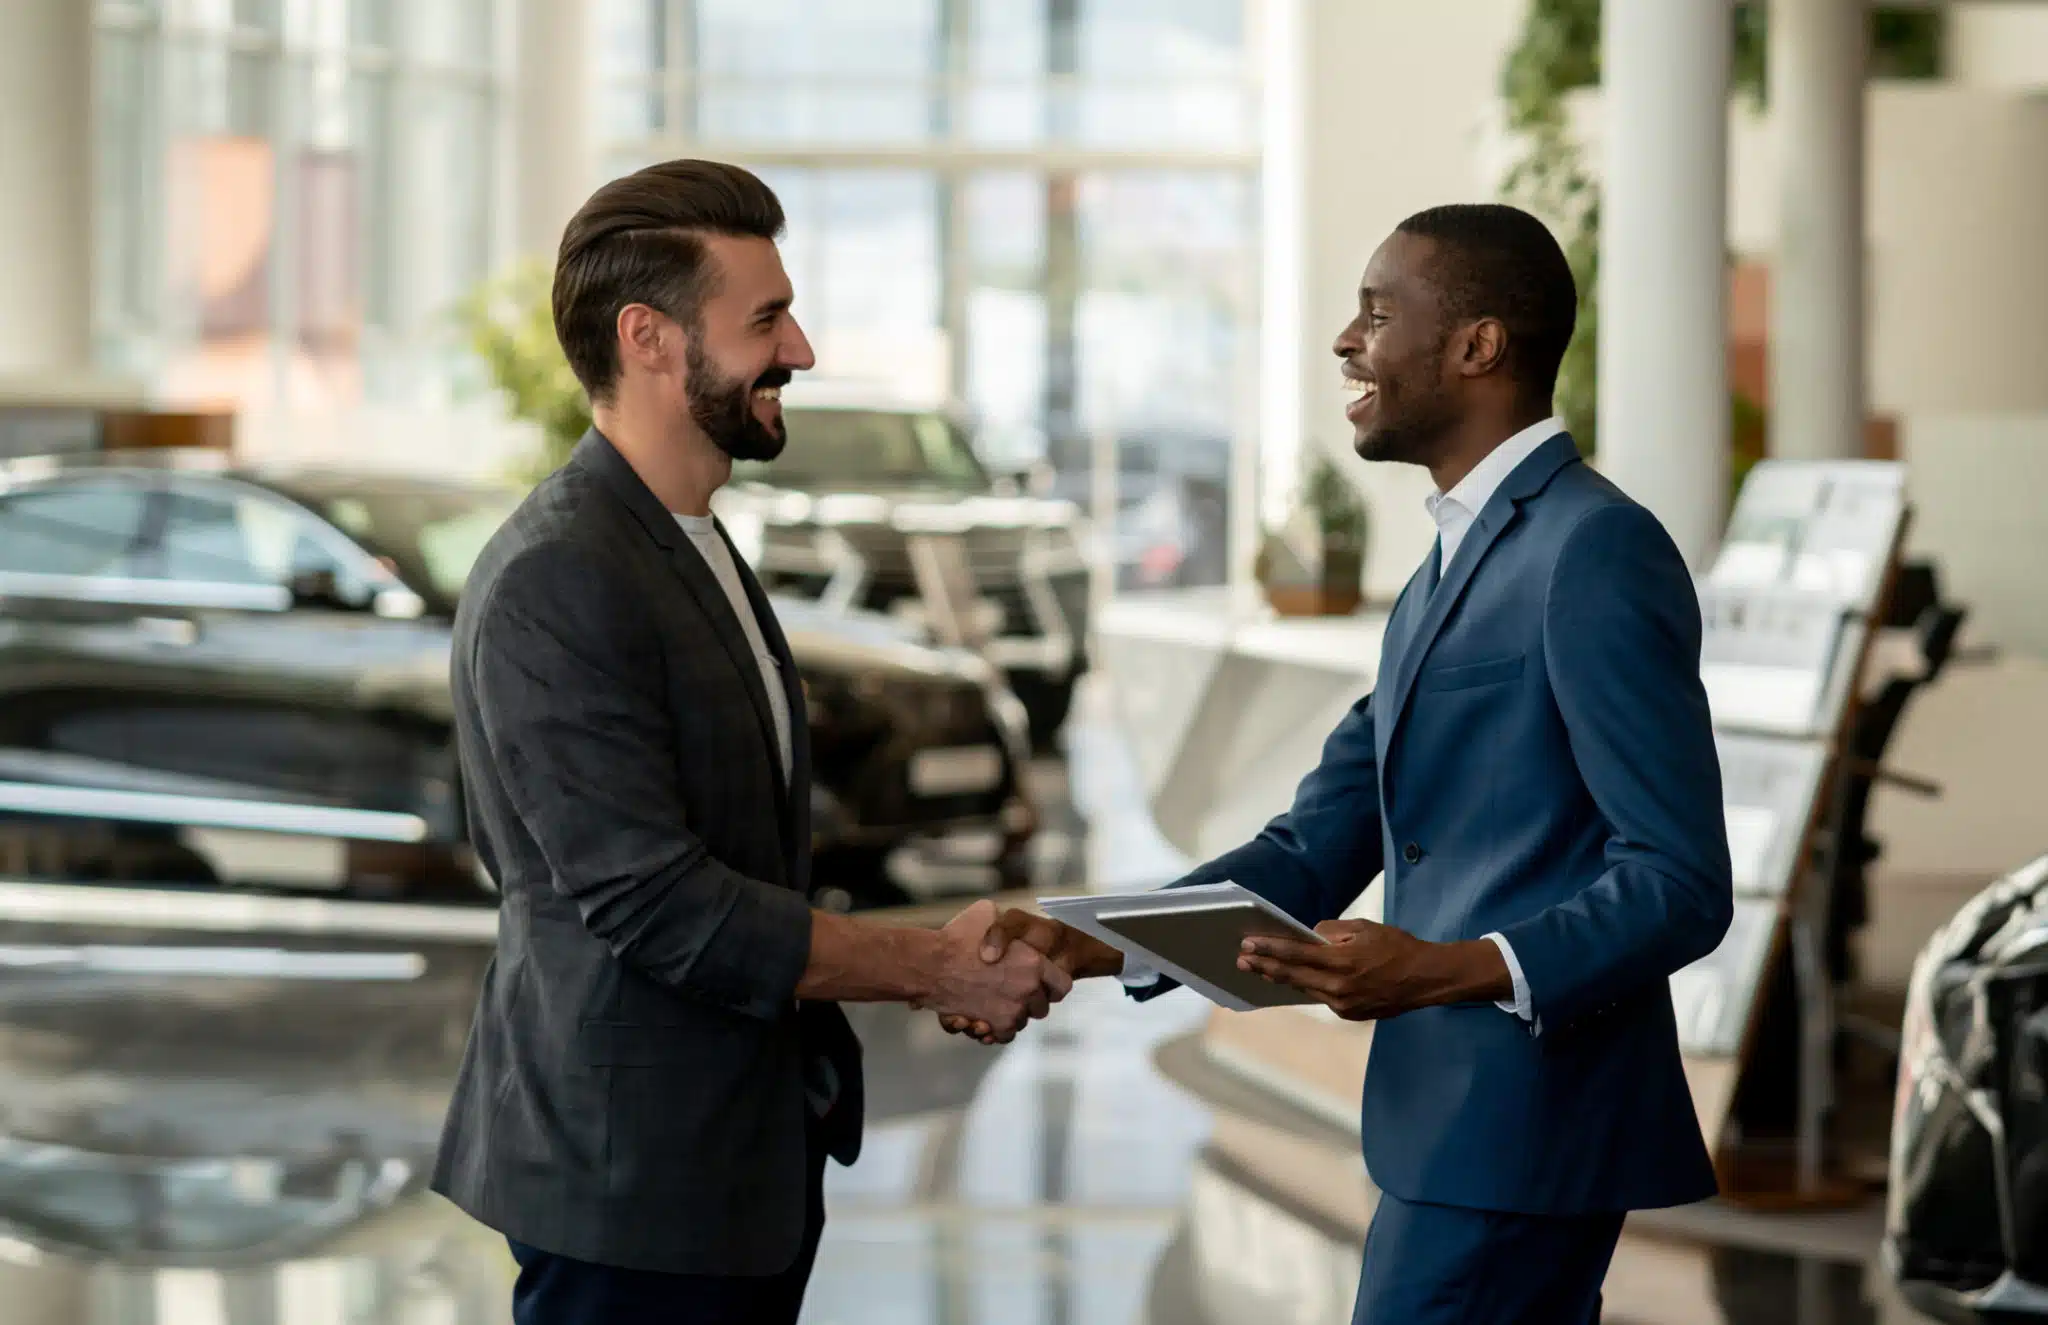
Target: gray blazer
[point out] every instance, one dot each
(634, 1091)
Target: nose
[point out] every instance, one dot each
(1349, 341)
(796, 350)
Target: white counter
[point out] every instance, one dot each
(1226, 705)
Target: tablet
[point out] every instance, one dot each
(1194, 935)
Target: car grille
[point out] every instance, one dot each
(790, 559)
(992, 554)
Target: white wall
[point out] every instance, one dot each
(1979, 487)
(1999, 45)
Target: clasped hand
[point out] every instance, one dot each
(998, 987)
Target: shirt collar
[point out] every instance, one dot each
(1477, 488)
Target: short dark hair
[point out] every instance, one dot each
(639, 240)
(1500, 262)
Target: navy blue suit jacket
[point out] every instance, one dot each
(1538, 760)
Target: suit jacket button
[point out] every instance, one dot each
(1411, 853)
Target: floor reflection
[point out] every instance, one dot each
(243, 1143)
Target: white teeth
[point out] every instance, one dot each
(1354, 387)
(768, 393)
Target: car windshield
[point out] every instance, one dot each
(863, 448)
(433, 533)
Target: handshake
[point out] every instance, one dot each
(1003, 970)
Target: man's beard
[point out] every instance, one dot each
(1413, 440)
(1417, 435)
(724, 408)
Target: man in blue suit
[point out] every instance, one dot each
(1535, 773)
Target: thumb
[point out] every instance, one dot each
(994, 942)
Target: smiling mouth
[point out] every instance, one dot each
(1361, 393)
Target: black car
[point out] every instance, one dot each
(889, 510)
(189, 642)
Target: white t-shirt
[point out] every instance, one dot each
(704, 535)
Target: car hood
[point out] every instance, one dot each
(832, 640)
(821, 639)
(914, 509)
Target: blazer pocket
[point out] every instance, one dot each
(1492, 672)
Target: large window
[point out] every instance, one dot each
(1042, 211)
(292, 192)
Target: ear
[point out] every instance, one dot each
(1483, 347)
(646, 338)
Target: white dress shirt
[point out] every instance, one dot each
(704, 536)
(1454, 512)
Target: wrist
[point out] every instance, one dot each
(925, 964)
(1097, 959)
(1470, 971)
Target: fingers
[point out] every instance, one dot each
(1293, 952)
(1344, 931)
(1058, 983)
(1015, 926)
(1311, 979)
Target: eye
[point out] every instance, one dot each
(1377, 319)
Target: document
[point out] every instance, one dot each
(1193, 935)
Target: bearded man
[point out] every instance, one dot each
(658, 1066)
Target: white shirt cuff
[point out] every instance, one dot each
(1520, 1007)
(1136, 974)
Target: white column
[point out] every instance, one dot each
(1262, 482)
(1663, 275)
(1819, 53)
(555, 149)
(46, 154)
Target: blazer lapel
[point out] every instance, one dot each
(1395, 645)
(600, 457)
(1529, 478)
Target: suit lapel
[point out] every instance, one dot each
(600, 457)
(1395, 645)
(1529, 478)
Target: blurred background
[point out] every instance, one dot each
(1079, 570)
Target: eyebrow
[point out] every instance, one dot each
(773, 306)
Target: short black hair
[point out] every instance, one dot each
(639, 240)
(1498, 261)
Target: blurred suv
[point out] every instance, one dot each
(189, 643)
(889, 510)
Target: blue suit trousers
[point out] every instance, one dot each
(1447, 1265)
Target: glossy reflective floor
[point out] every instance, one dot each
(232, 1128)
(247, 1151)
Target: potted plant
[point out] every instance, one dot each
(1314, 565)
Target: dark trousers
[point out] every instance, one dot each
(1442, 1265)
(556, 1290)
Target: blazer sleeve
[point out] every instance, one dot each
(1622, 649)
(566, 677)
(1316, 858)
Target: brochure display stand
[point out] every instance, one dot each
(1789, 606)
